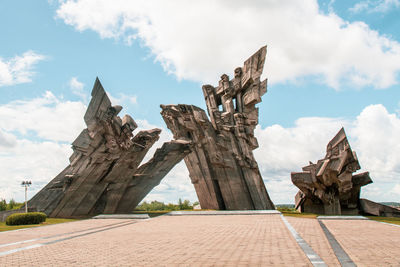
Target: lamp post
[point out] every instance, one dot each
(26, 184)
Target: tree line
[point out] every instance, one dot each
(11, 205)
(160, 206)
(144, 206)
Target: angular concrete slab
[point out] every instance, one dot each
(329, 186)
(104, 175)
(222, 166)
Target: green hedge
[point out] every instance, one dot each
(26, 218)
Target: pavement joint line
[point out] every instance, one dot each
(36, 227)
(343, 258)
(123, 216)
(8, 252)
(52, 236)
(314, 258)
(97, 231)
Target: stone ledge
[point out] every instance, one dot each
(122, 216)
(224, 212)
(344, 217)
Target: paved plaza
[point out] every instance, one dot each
(203, 240)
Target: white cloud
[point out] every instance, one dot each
(363, 5)
(176, 184)
(396, 190)
(373, 135)
(292, 148)
(19, 69)
(7, 139)
(77, 88)
(122, 98)
(198, 40)
(375, 6)
(28, 160)
(377, 133)
(48, 117)
(75, 84)
(23, 156)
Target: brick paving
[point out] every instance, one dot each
(310, 230)
(55, 229)
(368, 243)
(230, 240)
(238, 240)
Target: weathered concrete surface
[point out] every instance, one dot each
(329, 187)
(377, 209)
(104, 174)
(222, 166)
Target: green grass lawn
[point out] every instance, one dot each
(294, 213)
(298, 214)
(153, 213)
(394, 220)
(4, 227)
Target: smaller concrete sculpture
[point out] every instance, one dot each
(329, 186)
(372, 208)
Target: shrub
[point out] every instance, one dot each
(158, 206)
(3, 204)
(11, 204)
(26, 218)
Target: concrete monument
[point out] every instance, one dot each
(372, 208)
(329, 186)
(222, 166)
(104, 174)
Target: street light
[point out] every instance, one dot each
(26, 184)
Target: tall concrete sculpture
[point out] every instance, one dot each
(104, 174)
(329, 187)
(222, 166)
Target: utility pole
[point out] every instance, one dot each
(26, 184)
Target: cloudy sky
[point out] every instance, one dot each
(329, 64)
